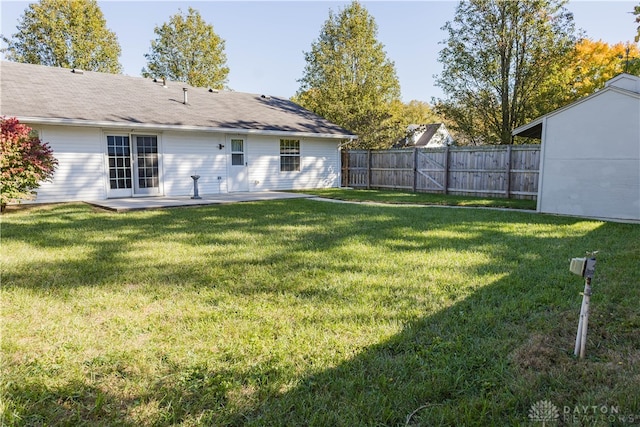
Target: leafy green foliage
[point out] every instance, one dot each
(498, 61)
(418, 112)
(25, 161)
(69, 34)
(188, 50)
(349, 80)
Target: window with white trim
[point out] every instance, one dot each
(289, 155)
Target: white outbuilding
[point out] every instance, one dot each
(590, 155)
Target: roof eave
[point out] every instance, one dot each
(166, 127)
(530, 130)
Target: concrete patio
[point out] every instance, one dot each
(141, 203)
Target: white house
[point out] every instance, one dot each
(432, 135)
(590, 158)
(120, 136)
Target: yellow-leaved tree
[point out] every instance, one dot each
(597, 61)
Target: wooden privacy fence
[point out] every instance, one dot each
(509, 171)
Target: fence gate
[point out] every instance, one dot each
(431, 171)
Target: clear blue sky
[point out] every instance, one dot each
(266, 40)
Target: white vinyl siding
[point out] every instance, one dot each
(188, 153)
(80, 174)
(83, 172)
(319, 165)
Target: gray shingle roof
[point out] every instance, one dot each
(430, 130)
(58, 95)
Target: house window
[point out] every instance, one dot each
(289, 155)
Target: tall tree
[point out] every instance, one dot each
(65, 33)
(498, 56)
(349, 80)
(187, 49)
(636, 12)
(592, 64)
(597, 61)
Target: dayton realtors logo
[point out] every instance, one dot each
(544, 412)
(548, 414)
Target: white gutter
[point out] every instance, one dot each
(163, 127)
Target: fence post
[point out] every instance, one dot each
(446, 170)
(344, 154)
(368, 169)
(415, 168)
(508, 172)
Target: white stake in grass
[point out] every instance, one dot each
(584, 267)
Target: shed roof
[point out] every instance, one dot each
(40, 94)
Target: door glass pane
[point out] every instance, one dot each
(237, 152)
(147, 152)
(237, 145)
(119, 162)
(237, 159)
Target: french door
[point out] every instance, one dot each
(133, 168)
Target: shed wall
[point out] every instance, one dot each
(591, 164)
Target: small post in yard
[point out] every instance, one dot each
(584, 267)
(195, 186)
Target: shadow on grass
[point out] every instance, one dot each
(484, 360)
(488, 358)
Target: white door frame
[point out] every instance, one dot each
(124, 166)
(237, 164)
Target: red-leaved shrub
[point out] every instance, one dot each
(25, 161)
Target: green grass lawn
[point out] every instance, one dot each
(301, 312)
(407, 197)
